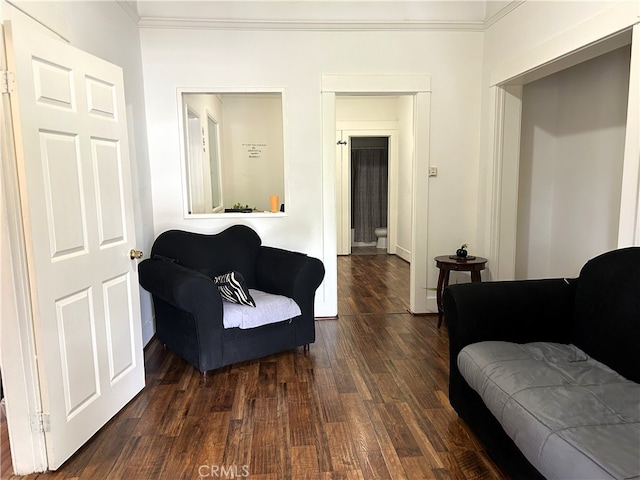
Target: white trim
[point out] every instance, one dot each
(629, 224)
(376, 84)
(367, 124)
(308, 25)
(17, 342)
(496, 176)
(595, 49)
(329, 297)
(509, 171)
(130, 9)
(403, 253)
(511, 6)
(420, 264)
(619, 18)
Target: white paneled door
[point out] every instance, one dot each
(72, 153)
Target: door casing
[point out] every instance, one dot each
(418, 86)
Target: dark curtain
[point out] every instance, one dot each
(369, 185)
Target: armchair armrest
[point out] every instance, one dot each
(182, 287)
(292, 274)
(188, 311)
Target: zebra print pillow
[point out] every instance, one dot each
(233, 288)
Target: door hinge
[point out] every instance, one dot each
(40, 422)
(7, 82)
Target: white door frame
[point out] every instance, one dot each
(420, 87)
(17, 347)
(344, 184)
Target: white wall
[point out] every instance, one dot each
(529, 38)
(572, 149)
(296, 61)
(252, 124)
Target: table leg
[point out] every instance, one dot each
(475, 276)
(443, 281)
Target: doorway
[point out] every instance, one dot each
(367, 144)
(506, 152)
(369, 192)
(415, 90)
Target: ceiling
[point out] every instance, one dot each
(322, 14)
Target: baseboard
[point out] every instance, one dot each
(403, 253)
(148, 330)
(363, 244)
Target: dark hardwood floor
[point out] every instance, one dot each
(369, 400)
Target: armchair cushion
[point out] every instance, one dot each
(268, 308)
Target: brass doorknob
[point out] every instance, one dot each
(135, 254)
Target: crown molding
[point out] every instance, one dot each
(511, 6)
(311, 24)
(129, 8)
(307, 25)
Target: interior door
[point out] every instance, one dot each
(72, 155)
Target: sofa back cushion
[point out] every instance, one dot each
(234, 249)
(606, 322)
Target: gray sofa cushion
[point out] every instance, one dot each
(570, 415)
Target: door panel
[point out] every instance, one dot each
(120, 336)
(72, 157)
(64, 194)
(53, 84)
(79, 356)
(107, 169)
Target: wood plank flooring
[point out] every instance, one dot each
(368, 401)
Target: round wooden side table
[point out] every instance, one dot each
(448, 263)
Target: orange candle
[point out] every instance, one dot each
(275, 201)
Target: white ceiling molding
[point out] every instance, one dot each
(131, 8)
(328, 15)
(503, 12)
(308, 25)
